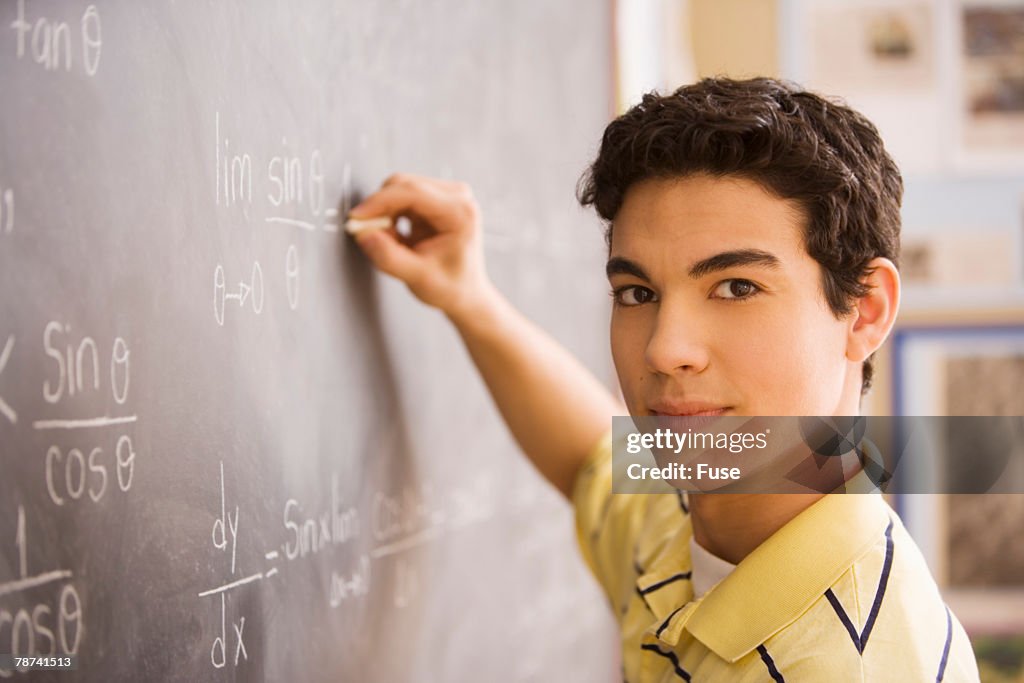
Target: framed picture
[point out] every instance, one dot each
(942, 79)
(962, 267)
(989, 83)
(971, 542)
(872, 46)
(883, 58)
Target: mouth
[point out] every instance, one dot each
(690, 416)
(690, 411)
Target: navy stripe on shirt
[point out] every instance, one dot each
(660, 584)
(682, 502)
(671, 656)
(773, 671)
(945, 648)
(861, 640)
(667, 621)
(664, 582)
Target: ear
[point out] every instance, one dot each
(874, 313)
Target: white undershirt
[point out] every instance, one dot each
(707, 569)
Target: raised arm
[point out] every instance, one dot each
(555, 408)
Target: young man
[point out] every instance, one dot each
(753, 230)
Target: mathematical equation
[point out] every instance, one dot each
(396, 524)
(49, 627)
(54, 46)
(76, 367)
(294, 195)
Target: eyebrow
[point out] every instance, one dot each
(712, 264)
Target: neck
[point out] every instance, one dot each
(732, 525)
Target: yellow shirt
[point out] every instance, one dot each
(840, 593)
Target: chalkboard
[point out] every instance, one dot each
(229, 450)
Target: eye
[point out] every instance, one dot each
(632, 295)
(735, 289)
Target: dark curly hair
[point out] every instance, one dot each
(797, 145)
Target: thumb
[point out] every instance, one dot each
(389, 255)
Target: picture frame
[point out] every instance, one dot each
(965, 363)
(884, 58)
(943, 80)
(962, 266)
(987, 85)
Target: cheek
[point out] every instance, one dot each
(794, 365)
(628, 343)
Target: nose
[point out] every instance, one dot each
(677, 342)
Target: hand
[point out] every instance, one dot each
(441, 260)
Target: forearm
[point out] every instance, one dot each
(554, 406)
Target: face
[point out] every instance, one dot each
(718, 308)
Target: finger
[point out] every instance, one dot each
(412, 237)
(441, 208)
(389, 255)
(433, 199)
(400, 179)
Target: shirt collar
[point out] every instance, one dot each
(665, 584)
(773, 585)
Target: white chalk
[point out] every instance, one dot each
(354, 225)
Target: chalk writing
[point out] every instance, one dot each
(5, 355)
(49, 42)
(291, 275)
(35, 629)
(233, 171)
(76, 365)
(7, 212)
(251, 291)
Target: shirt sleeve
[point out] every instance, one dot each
(607, 524)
